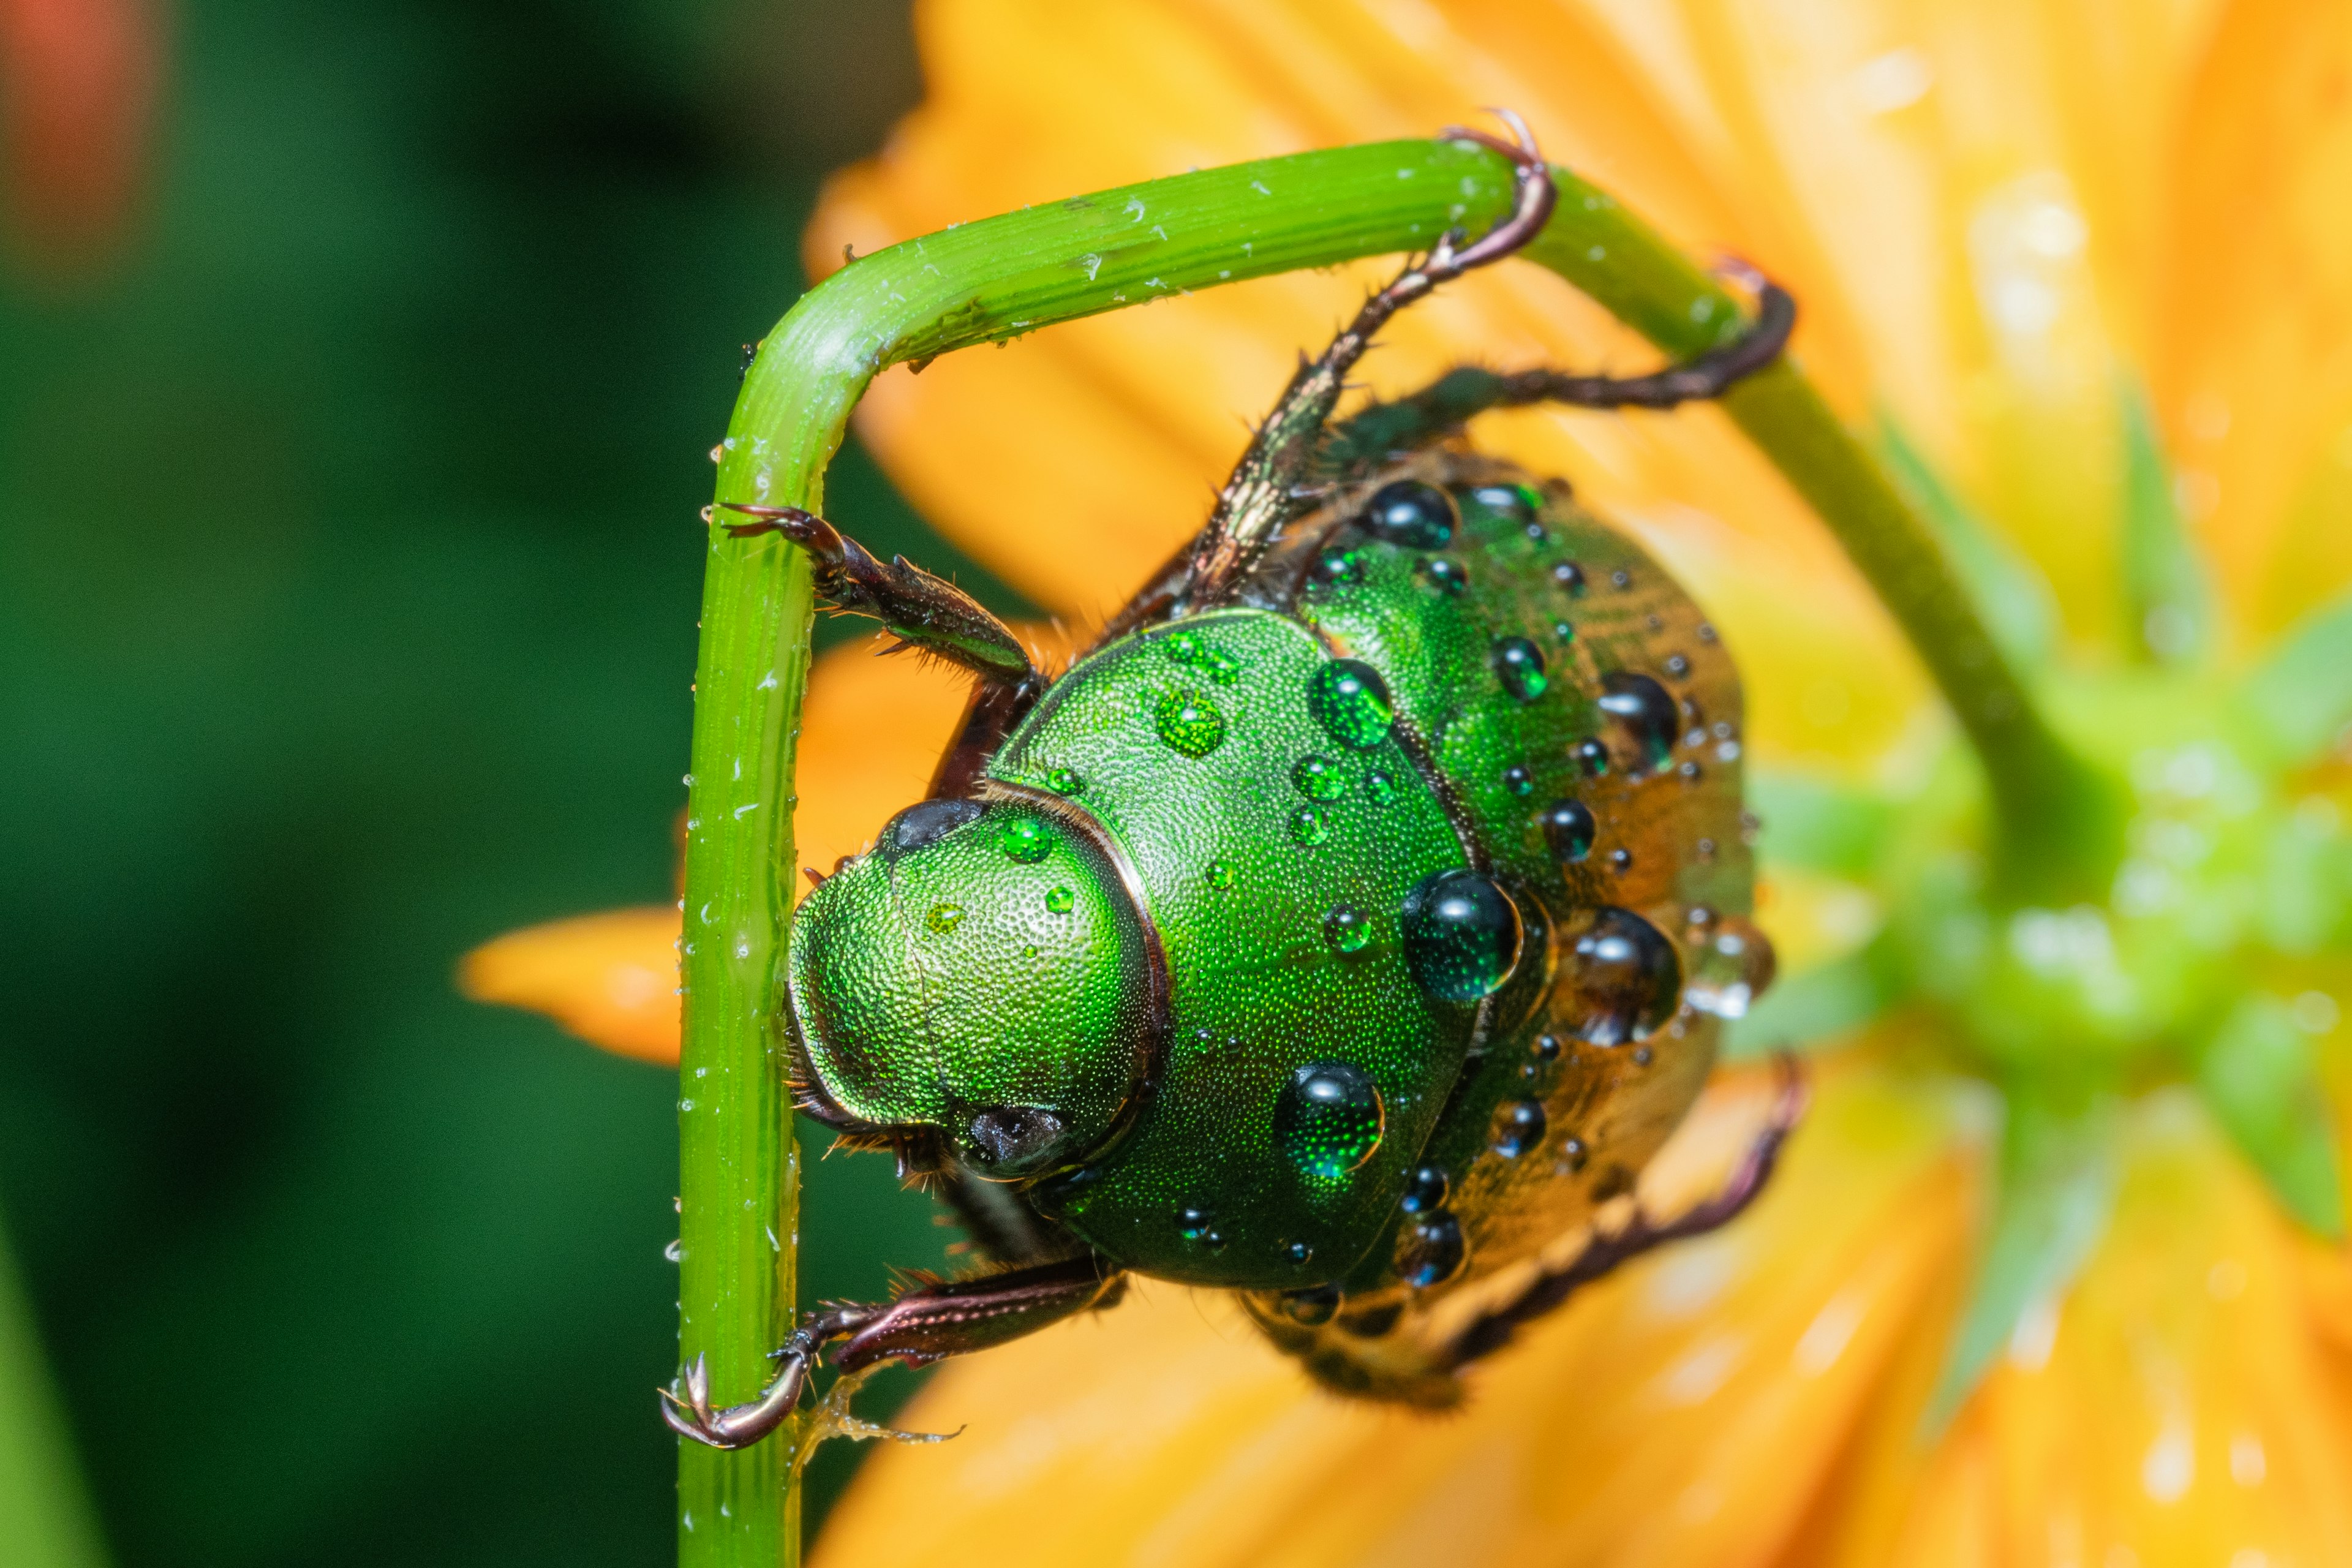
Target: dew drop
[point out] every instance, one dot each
(1516, 503)
(1731, 963)
(1339, 568)
(1568, 830)
(1573, 1155)
(1519, 1127)
(1621, 860)
(1563, 631)
(1620, 579)
(1061, 900)
(1181, 647)
(944, 918)
(1024, 839)
(1568, 578)
(1328, 1119)
(1411, 514)
(1545, 1048)
(1644, 713)
(1443, 573)
(1351, 702)
(1299, 1254)
(1318, 779)
(1626, 978)
(1518, 781)
(1347, 929)
(1677, 665)
(1223, 667)
(1222, 875)
(1592, 757)
(1063, 781)
(1194, 1224)
(1190, 724)
(1462, 935)
(1519, 666)
(1379, 789)
(1425, 1190)
(1430, 1252)
(1309, 825)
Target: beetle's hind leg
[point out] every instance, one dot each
(1493, 1329)
(934, 1319)
(1454, 399)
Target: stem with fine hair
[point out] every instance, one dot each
(994, 279)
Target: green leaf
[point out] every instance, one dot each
(2057, 1187)
(2259, 1076)
(1817, 1006)
(2300, 698)
(2013, 597)
(2168, 601)
(1818, 826)
(45, 1516)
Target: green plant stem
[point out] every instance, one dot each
(45, 1519)
(997, 279)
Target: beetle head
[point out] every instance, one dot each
(981, 977)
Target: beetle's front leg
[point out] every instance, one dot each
(924, 1324)
(923, 611)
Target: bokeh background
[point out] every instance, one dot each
(357, 367)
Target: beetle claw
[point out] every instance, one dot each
(686, 1409)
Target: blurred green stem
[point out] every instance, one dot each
(996, 279)
(44, 1515)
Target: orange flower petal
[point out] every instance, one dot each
(611, 979)
(1682, 1412)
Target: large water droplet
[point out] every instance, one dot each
(1024, 839)
(1430, 1252)
(1568, 830)
(1318, 779)
(1351, 700)
(1328, 1119)
(1519, 1127)
(1627, 979)
(1519, 666)
(1731, 963)
(1462, 935)
(1347, 929)
(1190, 724)
(1309, 825)
(1411, 514)
(1425, 1190)
(1645, 714)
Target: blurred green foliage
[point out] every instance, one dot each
(348, 564)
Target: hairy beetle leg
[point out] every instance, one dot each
(1491, 1330)
(932, 1321)
(923, 611)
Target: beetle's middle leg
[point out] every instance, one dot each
(931, 1322)
(1608, 1250)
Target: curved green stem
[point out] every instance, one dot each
(996, 279)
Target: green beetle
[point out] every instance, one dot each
(1343, 928)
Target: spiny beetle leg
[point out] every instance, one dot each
(959, 1316)
(1491, 1330)
(994, 709)
(1455, 398)
(923, 611)
(687, 1410)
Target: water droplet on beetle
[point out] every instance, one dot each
(1519, 1127)
(1339, 568)
(1351, 702)
(1688, 772)
(1568, 578)
(1063, 781)
(1024, 839)
(1519, 665)
(1591, 756)
(1677, 665)
(1061, 900)
(1222, 875)
(1627, 978)
(1568, 830)
(1573, 1155)
(1731, 964)
(1703, 851)
(1318, 779)
(1621, 860)
(1545, 1047)
(1518, 781)
(1462, 935)
(1299, 1254)
(1620, 579)
(1643, 712)
(1518, 503)
(1309, 827)
(1563, 631)
(1193, 1224)
(1181, 647)
(1223, 667)
(1443, 573)
(1190, 724)
(1412, 515)
(1379, 789)
(1347, 929)
(1425, 1190)
(1328, 1119)
(944, 918)
(1430, 1252)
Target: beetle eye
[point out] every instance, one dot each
(926, 820)
(1011, 1135)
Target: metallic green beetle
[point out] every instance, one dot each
(1345, 927)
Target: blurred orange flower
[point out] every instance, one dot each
(2012, 223)
(77, 88)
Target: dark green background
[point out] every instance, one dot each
(348, 564)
